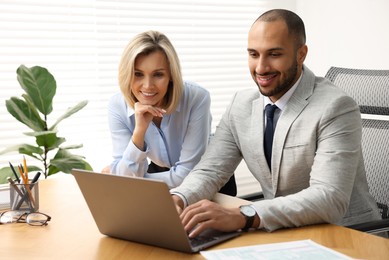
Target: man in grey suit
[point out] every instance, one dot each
(315, 172)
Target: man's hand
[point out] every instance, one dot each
(206, 214)
(179, 203)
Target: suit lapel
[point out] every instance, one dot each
(296, 104)
(256, 134)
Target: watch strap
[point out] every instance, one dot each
(249, 223)
(249, 220)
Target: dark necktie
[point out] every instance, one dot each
(269, 132)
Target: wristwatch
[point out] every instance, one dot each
(249, 213)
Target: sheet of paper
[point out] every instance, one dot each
(302, 250)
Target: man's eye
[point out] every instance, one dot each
(253, 54)
(275, 54)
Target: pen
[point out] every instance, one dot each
(15, 186)
(16, 189)
(14, 172)
(34, 180)
(25, 180)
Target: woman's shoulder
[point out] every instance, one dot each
(117, 102)
(192, 88)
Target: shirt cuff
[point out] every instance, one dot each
(182, 197)
(133, 153)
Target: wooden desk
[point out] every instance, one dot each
(72, 233)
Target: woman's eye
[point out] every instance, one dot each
(138, 74)
(158, 74)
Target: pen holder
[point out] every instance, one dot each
(24, 197)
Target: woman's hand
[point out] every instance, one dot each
(144, 114)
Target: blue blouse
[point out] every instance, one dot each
(178, 144)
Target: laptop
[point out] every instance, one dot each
(140, 210)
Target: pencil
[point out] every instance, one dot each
(18, 191)
(27, 186)
(25, 167)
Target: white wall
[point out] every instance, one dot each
(346, 33)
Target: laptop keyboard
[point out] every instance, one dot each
(200, 240)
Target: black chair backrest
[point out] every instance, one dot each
(375, 146)
(370, 89)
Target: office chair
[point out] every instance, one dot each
(230, 187)
(370, 89)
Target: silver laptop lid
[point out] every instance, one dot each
(140, 210)
(134, 209)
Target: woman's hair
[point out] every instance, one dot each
(144, 44)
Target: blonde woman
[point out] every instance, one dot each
(160, 125)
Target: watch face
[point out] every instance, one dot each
(247, 210)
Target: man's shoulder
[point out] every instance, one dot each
(248, 94)
(325, 88)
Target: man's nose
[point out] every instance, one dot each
(262, 66)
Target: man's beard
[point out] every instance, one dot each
(286, 84)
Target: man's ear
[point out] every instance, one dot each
(302, 53)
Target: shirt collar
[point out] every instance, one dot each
(281, 103)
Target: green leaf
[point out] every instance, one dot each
(70, 112)
(52, 170)
(33, 168)
(75, 146)
(40, 85)
(34, 110)
(47, 139)
(41, 133)
(67, 164)
(26, 149)
(7, 172)
(50, 141)
(4, 174)
(20, 110)
(64, 161)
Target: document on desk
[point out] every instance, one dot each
(301, 249)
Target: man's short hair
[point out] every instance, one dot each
(294, 23)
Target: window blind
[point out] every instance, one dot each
(80, 42)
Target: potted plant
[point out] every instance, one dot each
(33, 110)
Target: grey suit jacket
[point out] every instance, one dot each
(317, 173)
